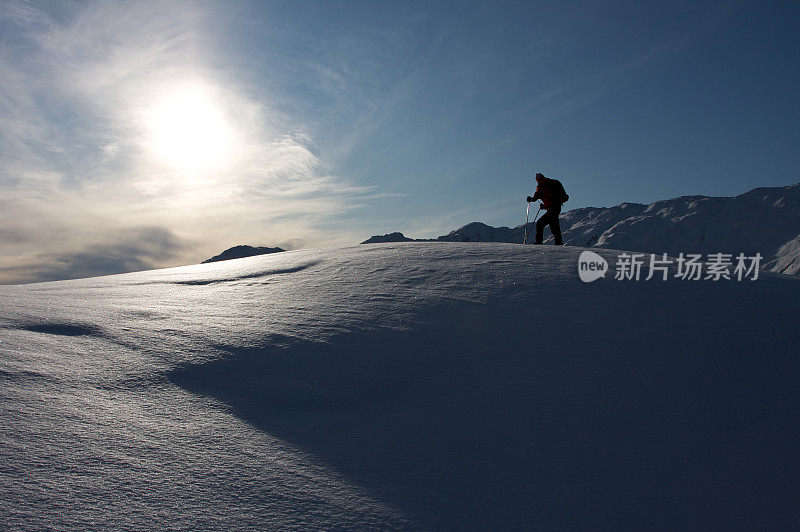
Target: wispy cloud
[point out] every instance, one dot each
(134, 249)
(76, 169)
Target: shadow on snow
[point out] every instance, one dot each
(596, 414)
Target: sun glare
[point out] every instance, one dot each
(190, 133)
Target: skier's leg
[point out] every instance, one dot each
(555, 228)
(540, 227)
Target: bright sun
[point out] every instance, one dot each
(190, 133)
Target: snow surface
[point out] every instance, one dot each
(434, 385)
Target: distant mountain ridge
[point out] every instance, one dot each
(240, 252)
(764, 220)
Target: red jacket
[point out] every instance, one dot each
(549, 191)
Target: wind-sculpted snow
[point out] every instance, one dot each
(254, 275)
(447, 385)
(63, 328)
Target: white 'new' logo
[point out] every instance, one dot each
(591, 266)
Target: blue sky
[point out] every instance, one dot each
(147, 134)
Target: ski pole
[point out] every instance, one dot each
(534, 221)
(527, 212)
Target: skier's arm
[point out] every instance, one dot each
(536, 195)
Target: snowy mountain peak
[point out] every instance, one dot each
(391, 237)
(240, 252)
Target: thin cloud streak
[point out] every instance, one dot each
(77, 171)
(136, 249)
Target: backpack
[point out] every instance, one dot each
(560, 194)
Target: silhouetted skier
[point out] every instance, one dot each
(553, 195)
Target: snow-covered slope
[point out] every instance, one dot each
(762, 220)
(446, 385)
(787, 260)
